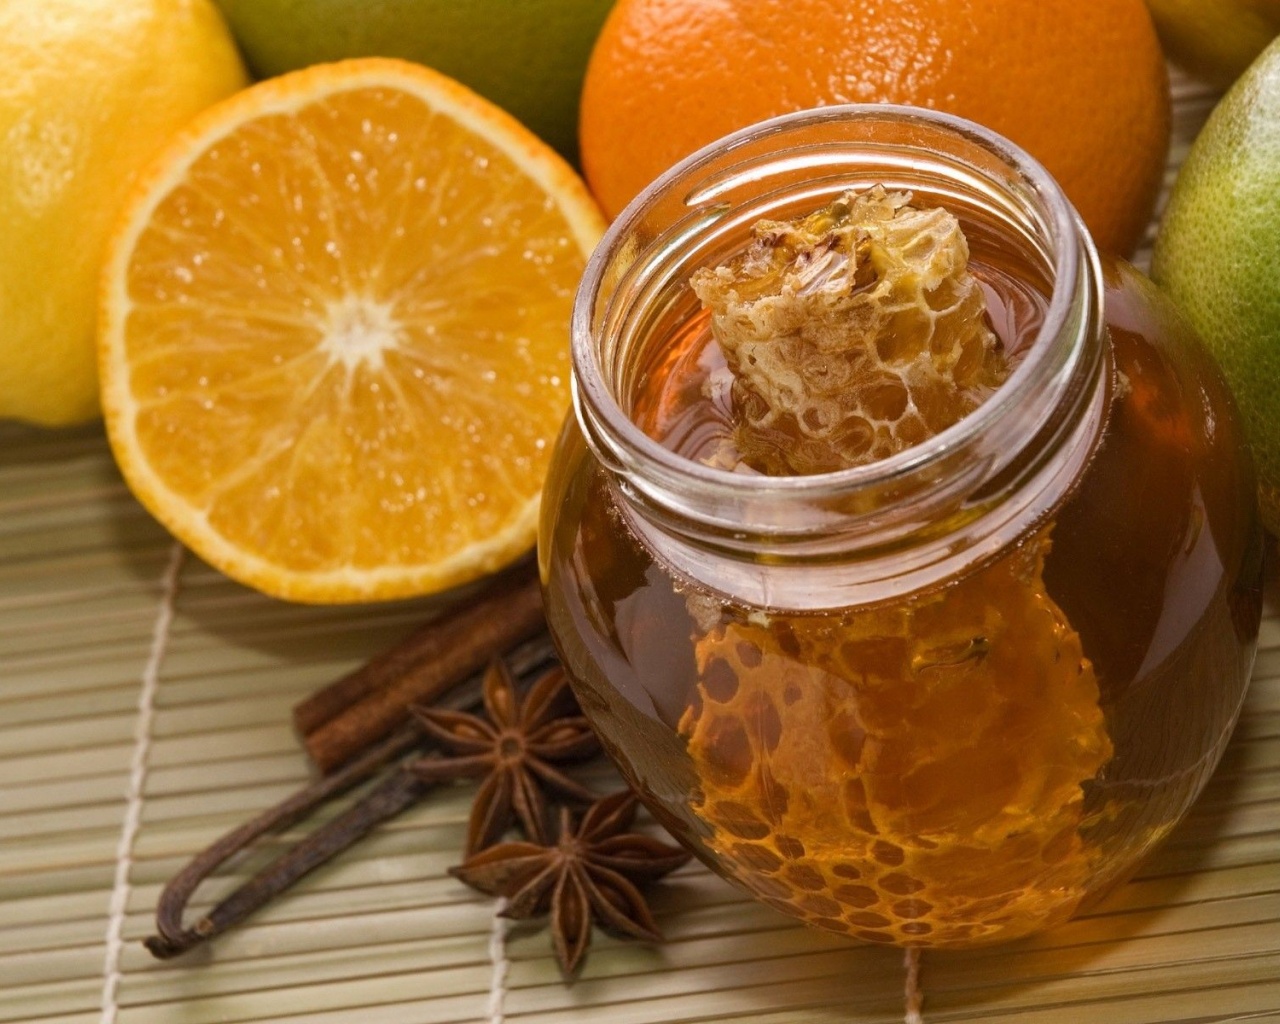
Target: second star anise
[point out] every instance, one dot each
(516, 750)
(588, 874)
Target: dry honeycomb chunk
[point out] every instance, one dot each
(851, 334)
(910, 773)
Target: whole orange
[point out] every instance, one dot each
(1081, 86)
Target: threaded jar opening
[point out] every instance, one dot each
(958, 494)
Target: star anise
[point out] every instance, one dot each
(589, 873)
(514, 749)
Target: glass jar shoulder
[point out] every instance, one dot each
(1156, 561)
(1162, 525)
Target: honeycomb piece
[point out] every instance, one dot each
(911, 773)
(851, 334)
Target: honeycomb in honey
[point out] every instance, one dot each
(851, 334)
(910, 773)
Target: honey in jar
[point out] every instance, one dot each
(902, 550)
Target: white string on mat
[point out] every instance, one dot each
(137, 783)
(498, 957)
(914, 996)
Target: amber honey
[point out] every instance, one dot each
(976, 750)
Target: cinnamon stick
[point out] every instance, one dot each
(446, 651)
(427, 642)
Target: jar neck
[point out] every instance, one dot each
(897, 525)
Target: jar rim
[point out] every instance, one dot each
(1042, 360)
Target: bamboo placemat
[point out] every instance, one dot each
(144, 707)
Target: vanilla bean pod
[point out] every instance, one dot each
(398, 791)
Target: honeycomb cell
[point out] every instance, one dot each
(740, 821)
(816, 905)
(900, 885)
(887, 853)
(912, 908)
(720, 681)
(757, 857)
(857, 895)
(789, 847)
(806, 877)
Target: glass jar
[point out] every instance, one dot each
(947, 697)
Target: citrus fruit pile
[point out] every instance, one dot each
(333, 324)
(333, 339)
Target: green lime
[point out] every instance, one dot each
(1217, 251)
(527, 56)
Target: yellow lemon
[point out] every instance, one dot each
(91, 89)
(335, 332)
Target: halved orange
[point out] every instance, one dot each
(334, 332)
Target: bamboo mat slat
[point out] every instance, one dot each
(101, 614)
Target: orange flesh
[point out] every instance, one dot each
(346, 340)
